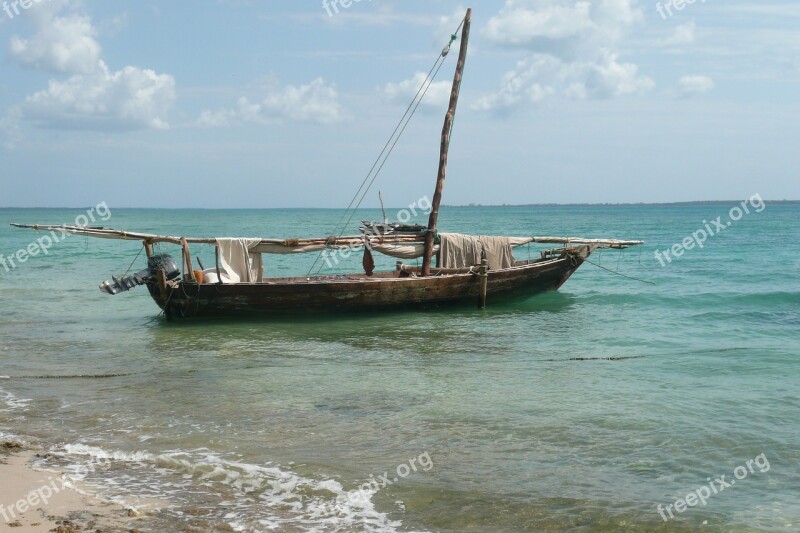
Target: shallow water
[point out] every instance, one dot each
(578, 410)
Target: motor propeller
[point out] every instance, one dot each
(147, 276)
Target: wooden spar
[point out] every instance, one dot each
(448, 125)
(108, 233)
(295, 244)
(483, 273)
(600, 243)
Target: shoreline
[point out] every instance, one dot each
(33, 501)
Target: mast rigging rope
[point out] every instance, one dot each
(388, 148)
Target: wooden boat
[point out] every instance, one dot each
(465, 278)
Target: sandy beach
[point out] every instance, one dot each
(36, 501)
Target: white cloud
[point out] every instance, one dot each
(315, 102)
(689, 86)
(561, 25)
(217, 119)
(9, 128)
(541, 75)
(571, 50)
(131, 98)
(522, 23)
(61, 44)
(683, 35)
(94, 96)
(438, 93)
(115, 24)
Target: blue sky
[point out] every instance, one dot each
(237, 103)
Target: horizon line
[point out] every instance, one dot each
(470, 205)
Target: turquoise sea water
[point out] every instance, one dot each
(582, 410)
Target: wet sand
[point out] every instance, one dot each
(35, 502)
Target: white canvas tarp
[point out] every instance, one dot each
(461, 251)
(416, 250)
(403, 251)
(241, 262)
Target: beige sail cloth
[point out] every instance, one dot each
(240, 260)
(403, 251)
(415, 250)
(461, 251)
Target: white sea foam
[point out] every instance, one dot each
(99, 454)
(10, 402)
(10, 437)
(254, 497)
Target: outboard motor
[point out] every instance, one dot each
(155, 263)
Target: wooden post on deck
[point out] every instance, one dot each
(162, 286)
(483, 274)
(216, 260)
(187, 262)
(448, 125)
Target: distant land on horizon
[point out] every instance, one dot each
(603, 204)
(473, 205)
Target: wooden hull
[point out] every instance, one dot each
(354, 294)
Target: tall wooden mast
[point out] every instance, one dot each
(448, 125)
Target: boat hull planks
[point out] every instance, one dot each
(357, 294)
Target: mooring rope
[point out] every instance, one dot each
(133, 262)
(618, 273)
